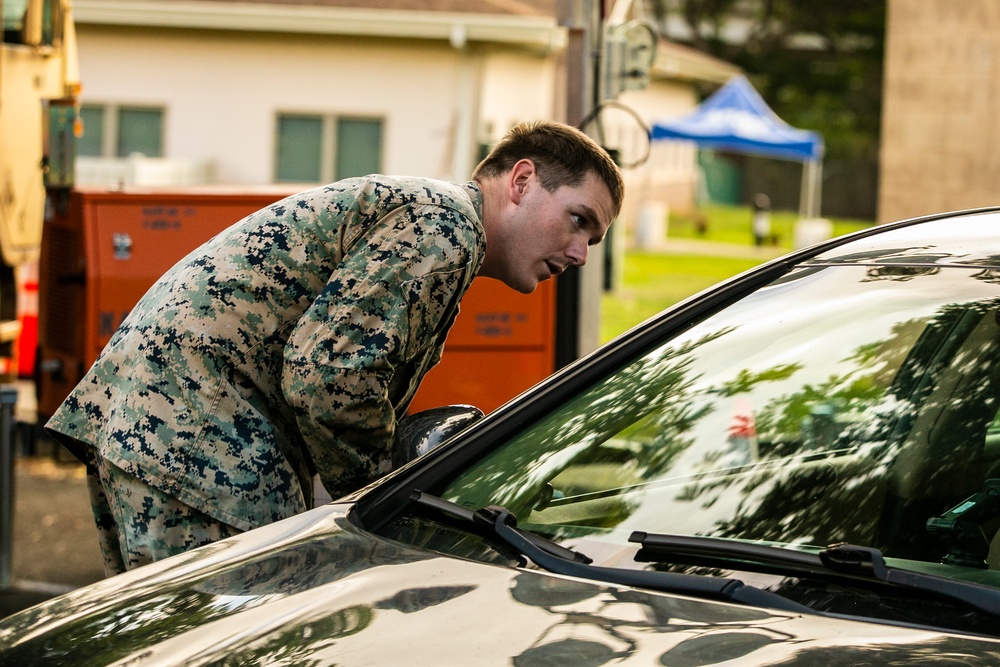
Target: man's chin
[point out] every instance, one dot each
(527, 286)
(526, 289)
(519, 286)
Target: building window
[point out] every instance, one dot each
(91, 143)
(140, 130)
(359, 147)
(322, 149)
(300, 148)
(13, 21)
(19, 27)
(119, 131)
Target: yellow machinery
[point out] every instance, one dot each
(39, 85)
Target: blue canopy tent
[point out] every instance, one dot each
(736, 118)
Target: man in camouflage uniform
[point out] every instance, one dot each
(290, 344)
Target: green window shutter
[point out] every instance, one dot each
(91, 144)
(300, 148)
(140, 131)
(359, 147)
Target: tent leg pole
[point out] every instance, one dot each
(804, 191)
(817, 188)
(811, 190)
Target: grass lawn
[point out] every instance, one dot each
(652, 281)
(731, 224)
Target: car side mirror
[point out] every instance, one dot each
(419, 433)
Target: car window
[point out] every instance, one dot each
(838, 404)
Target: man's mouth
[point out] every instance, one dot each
(554, 269)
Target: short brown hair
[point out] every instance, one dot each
(563, 155)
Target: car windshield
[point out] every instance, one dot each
(840, 403)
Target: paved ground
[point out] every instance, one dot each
(55, 542)
(674, 246)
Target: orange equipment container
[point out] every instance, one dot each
(502, 343)
(103, 252)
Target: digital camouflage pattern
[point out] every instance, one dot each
(152, 524)
(288, 344)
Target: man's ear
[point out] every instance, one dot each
(520, 179)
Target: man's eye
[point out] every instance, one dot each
(578, 220)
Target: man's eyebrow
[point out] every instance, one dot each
(589, 214)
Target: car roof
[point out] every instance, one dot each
(969, 239)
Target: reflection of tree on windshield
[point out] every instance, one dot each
(821, 439)
(745, 381)
(870, 414)
(656, 384)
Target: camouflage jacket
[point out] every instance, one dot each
(288, 344)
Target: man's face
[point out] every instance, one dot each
(545, 232)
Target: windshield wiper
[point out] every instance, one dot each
(553, 557)
(845, 561)
(486, 518)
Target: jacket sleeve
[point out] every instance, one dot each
(383, 306)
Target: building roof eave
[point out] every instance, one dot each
(540, 34)
(674, 61)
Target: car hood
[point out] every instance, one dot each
(317, 590)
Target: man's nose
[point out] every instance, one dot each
(577, 252)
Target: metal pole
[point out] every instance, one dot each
(8, 399)
(805, 191)
(578, 290)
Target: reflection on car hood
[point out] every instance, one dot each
(316, 590)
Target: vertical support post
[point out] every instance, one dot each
(812, 189)
(817, 199)
(8, 399)
(578, 290)
(805, 190)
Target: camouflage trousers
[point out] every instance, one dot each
(138, 524)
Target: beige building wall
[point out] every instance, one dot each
(441, 97)
(941, 124)
(516, 87)
(669, 175)
(223, 91)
